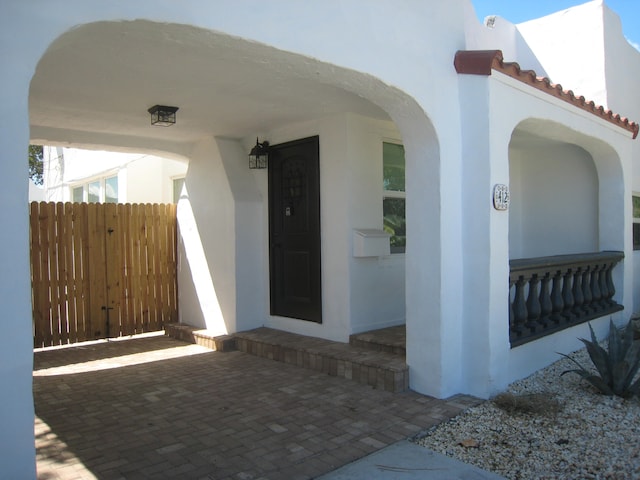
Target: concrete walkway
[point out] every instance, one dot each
(159, 408)
(408, 461)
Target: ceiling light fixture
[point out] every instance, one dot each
(162, 115)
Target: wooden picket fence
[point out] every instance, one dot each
(101, 270)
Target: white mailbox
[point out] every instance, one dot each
(371, 242)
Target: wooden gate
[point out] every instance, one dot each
(101, 270)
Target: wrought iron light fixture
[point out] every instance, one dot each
(259, 155)
(162, 115)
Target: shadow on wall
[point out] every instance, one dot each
(195, 260)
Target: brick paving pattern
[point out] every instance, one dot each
(156, 407)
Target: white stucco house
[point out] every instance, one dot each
(416, 175)
(78, 175)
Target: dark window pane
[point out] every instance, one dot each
(393, 210)
(393, 167)
(636, 207)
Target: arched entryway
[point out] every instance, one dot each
(93, 88)
(102, 108)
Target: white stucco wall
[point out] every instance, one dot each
(569, 46)
(554, 202)
(220, 253)
(456, 134)
(377, 283)
(584, 49)
(510, 132)
(484, 254)
(423, 96)
(17, 450)
(334, 222)
(358, 293)
(622, 69)
(497, 33)
(610, 148)
(206, 243)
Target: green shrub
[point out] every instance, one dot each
(616, 367)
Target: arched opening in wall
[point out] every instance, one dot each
(566, 229)
(93, 88)
(555, 191)
(567, 192)
(94, 85)
(102, 245)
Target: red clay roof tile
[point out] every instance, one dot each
(482, 62)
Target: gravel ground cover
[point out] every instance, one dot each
(547, 427)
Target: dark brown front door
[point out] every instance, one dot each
(294, 230)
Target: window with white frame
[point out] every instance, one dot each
(394, 195)
(102, 190)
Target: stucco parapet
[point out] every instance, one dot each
(483, 62)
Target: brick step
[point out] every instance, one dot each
(379, 369)
(390, 340)
(202, 337)
(382, 370)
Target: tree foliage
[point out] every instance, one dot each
(35, 164)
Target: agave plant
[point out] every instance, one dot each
(616, 367)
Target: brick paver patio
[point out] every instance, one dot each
(155, 407)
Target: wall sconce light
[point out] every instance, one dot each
(259, 155)
(162, 115)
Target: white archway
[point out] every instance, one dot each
(588, 168)
(580, 167)
(369, 53)
(228, 87)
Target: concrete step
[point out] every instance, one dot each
(390, 340)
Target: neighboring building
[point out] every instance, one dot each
(75, 175)
(399, 132)
(36, 192)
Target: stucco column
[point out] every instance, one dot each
(17, 451)
(220, 255)
(485, 240)
(616, 214)
(433, 261)
(250, 223)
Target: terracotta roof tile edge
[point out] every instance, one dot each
(482, 62)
